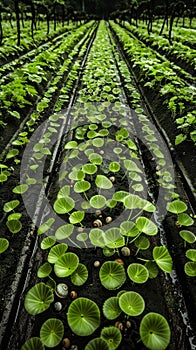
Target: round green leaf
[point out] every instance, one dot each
(20, 189)
(80, 275)
(38, 299)
(48, 242)
(131, 303)
(64, 205)
(142, 243)
(71, 145)
(98, 201)
(9, 206)
(82, 186)
(103, 182)
(51, 332)
(112, 336)
(185, 220)
(97, 237)
(113, 238)
(191, 254)
(14, 226)
(154, 331)
(111, 308)
(138, 273)
(4, 244)
(45, 226)
(56, 252)
(190, 268)
(76, 217)
(97, 344)
(95, 158)
(132, 201)
(83, 316)
(112, 275)
(162, 258)
(152, 269)
(188, 236)
(114, 167)
(146, 226)
(98, 142)
(64, 191)
(44, 270)
(66, 265)
(89, 168)
(32, 344)
(128, 228)
(64, 231)
(176, 207)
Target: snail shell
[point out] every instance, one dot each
(125, 251)
(61, 290)
(58, 306)
(66, 343)
(128, 324)
(73, 294)
(98, 212)
(108, 219)
(119, 325)
(101, 152)
(80, 229)
(97, 223)
(112, 179)
(96, 263)
(120, 261)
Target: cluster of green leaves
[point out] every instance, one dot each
(13, 223)
(21, 87)
(158, 76)
(9, 49)
(175, 51)
(165, 178)
(185, 221)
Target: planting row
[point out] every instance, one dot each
(34, 79)
(160, 78)
(21, 60)
(180, 53)
(10, 50)
(67, 74)
(100, 230)
(185, 36)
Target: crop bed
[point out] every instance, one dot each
(97, 245)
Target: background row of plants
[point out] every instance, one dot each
(177, 96)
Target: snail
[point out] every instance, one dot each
(58, 306)
(96, 263)
(73, 294)
(125, 251)
(66, 343)
(80, 229)
(101, 152)
(112, 179)
(120, 261)
(98, 212)
(61, 290)
(119, 325)
(128, 324)
(97, 223)
(108, 219)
